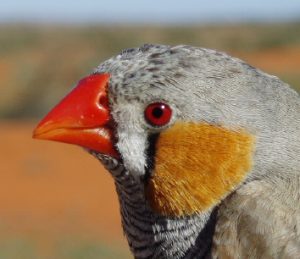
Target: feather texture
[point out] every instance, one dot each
(196, 166)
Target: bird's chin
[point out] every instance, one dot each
(102, 157)
(116, 166)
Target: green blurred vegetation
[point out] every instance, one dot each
(39, 64)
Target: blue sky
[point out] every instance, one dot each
(146, 11)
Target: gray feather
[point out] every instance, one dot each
(258, 220)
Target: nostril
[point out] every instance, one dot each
(103, 101)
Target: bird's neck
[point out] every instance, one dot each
(153, 236)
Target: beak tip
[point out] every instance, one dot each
(37, 131)
(35, 134)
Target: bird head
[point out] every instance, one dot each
(189, 124)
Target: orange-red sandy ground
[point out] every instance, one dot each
(51, 192)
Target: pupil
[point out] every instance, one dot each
(157, 112)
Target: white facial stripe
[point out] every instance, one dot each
(132, 138)
(132, 145)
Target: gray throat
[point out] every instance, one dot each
(154, 236)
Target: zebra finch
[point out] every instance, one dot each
(203, 148)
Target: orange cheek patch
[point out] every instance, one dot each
(196, 165)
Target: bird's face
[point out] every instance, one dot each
(164, 121)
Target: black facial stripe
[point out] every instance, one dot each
(150, 154)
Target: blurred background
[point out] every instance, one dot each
(55, 200)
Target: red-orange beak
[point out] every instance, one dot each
(82, 117)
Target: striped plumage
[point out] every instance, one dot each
(150, 235)
(203, 148)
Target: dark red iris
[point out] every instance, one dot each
(158, 114)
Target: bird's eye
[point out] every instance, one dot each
(158, 114)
